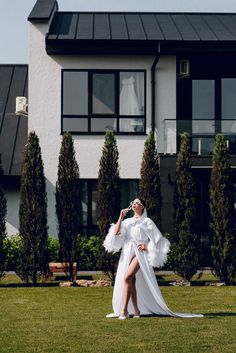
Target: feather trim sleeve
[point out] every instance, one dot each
(113, 243)
(157, 247)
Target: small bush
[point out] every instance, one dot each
(87, 256)
(13, 249)
(53, 248)
(88, 253)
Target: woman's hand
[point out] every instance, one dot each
(118, 224)
(123, 213)
(142, 247)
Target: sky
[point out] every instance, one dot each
(14, 13)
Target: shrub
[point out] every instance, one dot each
(68, 203)
(53, 248)
(222, 214)
(185, 240)
(108, 200)
(149, 186)
(33, 214)
(13, 248)
(88, 253)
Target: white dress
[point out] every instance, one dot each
(132, 233)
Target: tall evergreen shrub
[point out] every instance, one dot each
(33, 214)
(149, 186)
(3, 212)
(222, 214)
(68, 204)
(185, 247)
(108, 201)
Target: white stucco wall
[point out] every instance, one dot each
(45, 110)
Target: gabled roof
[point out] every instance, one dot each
(127, 33)
(13, 128)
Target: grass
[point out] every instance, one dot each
(72, 320)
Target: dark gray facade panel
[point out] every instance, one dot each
(118, 27)
(168, 27)
(7, 141)
(42, 10)
(101, 27)
(152, 29)
(200, 26)
(13, 133)
(5, 82)
(85, 26)
(20, 142)
(185, 28)
(135, 27)
(218, 28)
(17, 87)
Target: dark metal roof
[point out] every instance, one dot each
(13, 128)
(87, 33)
(42, 10)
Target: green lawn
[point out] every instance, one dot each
(58, 320)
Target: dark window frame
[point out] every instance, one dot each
(202, 67)
(116, 116)
(89, 228)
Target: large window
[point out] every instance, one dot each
(94, 101)
(128, 188)
(206, 105)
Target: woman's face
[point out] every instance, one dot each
(137, 206)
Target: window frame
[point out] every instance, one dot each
(115, 116)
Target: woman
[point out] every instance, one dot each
(143, 247)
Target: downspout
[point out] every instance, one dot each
(153, 83)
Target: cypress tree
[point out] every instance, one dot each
(3, 212)
(222, 214)
(33, 214)
(149, 186)
(108, 201)
(184, 252)
(68, 204)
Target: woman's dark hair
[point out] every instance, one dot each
(142, 201)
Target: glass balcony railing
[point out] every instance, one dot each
(202, 133)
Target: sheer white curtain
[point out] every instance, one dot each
(131, 98)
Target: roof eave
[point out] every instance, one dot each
(135, 47)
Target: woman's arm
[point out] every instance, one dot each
(120, 219)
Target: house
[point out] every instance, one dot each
(131, 72)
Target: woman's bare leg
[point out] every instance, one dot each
(129, 286)
(134, 297)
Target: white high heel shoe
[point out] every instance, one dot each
(123, 317)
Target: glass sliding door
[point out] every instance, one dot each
(203, 116)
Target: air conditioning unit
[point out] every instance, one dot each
(21, 106)
(184, 67)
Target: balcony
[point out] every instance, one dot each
(202, 133)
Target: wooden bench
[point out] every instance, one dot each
(60, 267)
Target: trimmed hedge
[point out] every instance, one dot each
(87, 254)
